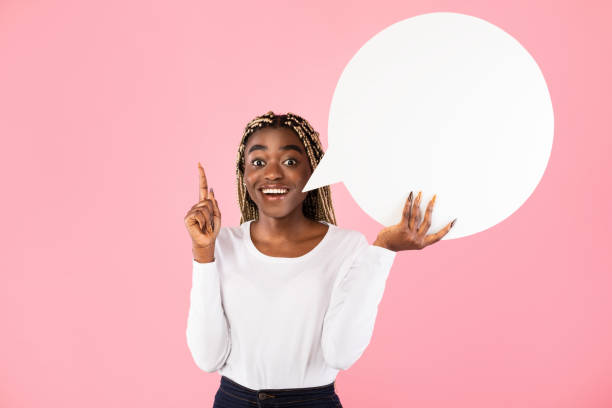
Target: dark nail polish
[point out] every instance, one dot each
(453, 223)
(410, 196)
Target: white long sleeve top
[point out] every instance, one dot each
(273, 322)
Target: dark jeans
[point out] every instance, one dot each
(233, 395)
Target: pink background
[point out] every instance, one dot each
(105, 109)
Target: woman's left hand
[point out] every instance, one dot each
(410, 233)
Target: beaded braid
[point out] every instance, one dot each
(318, 204)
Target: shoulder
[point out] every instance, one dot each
(347, 244)
(230, 235)
(348, 237)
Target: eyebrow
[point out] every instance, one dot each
(287, 147)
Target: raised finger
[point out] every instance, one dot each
(406, 210)
(415, 211)
(433, 238)
(427, 221)
(203, 183)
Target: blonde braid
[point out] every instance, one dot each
(318, 204)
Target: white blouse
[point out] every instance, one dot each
(272, 322)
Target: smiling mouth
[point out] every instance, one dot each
(274, 193)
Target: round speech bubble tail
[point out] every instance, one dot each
(327, 172)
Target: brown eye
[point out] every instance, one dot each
(256, 160)
(291, 160)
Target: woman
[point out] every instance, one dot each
(284, 301)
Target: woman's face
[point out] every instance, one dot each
(276, 159)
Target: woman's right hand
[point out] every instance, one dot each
(203, 220)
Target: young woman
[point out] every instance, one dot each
(284, 301)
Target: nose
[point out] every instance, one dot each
(273, 171)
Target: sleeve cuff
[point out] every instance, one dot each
(202, 266)
(384, 254)
(204, 272)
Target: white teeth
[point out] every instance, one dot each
(274, 190)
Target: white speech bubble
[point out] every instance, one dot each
(447, 104)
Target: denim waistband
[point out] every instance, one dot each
(279, 396)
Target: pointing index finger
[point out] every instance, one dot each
(203, 183)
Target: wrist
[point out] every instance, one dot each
(382, 243)
(203, 254)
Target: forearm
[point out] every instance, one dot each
(208, 335)
(350, 318)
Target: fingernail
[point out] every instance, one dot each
(433, 200)
(410, 196)
(453, 223)
(212, 191)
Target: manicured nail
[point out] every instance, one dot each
(212, 191)
(433, 200)
(410, 196)
(453, 223)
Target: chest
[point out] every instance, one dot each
(303, 292)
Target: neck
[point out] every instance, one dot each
(282, 229)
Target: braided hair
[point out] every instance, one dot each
(318, 204)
